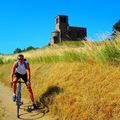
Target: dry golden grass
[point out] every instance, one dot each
(89, 90)
(86, 91)
(76, 90)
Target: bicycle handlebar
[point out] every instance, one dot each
(19, 81)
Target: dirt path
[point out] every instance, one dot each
(10, 108)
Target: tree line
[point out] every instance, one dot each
(19, 50)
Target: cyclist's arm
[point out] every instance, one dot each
(12, 72)
(28, 72)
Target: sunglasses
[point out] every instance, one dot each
(20, 58)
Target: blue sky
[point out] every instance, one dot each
(26, 23)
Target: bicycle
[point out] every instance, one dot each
(18, 96)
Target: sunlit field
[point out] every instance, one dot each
(75, 80)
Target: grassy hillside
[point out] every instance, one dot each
(76, 81)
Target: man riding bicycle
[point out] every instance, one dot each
(21, 69)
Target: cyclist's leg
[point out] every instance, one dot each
(31, 96)
(15, 85)
(24, 77)
(30, 93)
(15, 79)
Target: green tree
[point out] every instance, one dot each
(30, 48)
(116, 26)
(17, 50)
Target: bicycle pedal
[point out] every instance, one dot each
(29, 109)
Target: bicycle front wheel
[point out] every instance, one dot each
(18, 109)
(18, 101)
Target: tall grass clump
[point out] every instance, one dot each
(1, 60)
(8, 61)
(67, 56)
(107, 51)
(44, 59)
(111, 50)
(73, 43)
(74, 56)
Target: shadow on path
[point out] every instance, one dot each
(28, 113)
(47, 98)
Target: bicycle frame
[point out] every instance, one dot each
(18, 100)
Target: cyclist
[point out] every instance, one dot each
(21, 69)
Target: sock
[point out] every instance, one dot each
(14, 94)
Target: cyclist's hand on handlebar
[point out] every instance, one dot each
(28, 83)
(11, 83)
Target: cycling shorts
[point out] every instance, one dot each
(24, 77)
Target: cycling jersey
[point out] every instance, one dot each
(21, 68)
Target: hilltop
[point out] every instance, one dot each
(76, 81)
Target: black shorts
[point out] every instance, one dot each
(24, 77)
